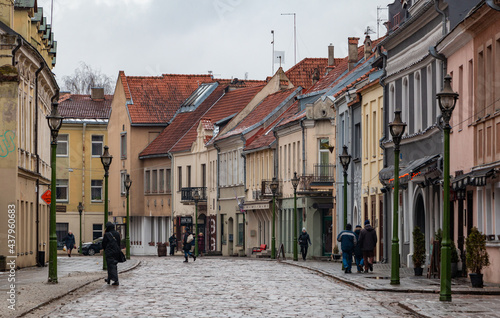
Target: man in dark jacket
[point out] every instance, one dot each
(358, 253)
(304, 242)
(348, 241)
(368, 240)
(187, 246)
(173, 243)
(111, 246)
(69, 241)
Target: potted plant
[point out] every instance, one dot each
(418, 257)
(454, 260)
(336, 252)
(476, 256)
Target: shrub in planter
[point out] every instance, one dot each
(336, 252)
(476, 256)
(418, 257)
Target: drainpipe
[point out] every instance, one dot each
(169, 155)
(434, 53)
(436, 6)
(37, 156)
(217, 209)
(244, 162)
(276, 154)
(84, 129)
(18, 46)
(303, 147)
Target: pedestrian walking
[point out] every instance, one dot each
(201, 244)
(111, 246)
(173, 243)
(304, 241)
(348, 241)
(188, 242)
(368, 240)
(358, 253)
(69, 242)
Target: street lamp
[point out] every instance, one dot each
(295, 183)
(274, 187)
(196, 197)
(55, 121)
(345, 159)
(80, 210)
(128, 184)
(397, 129)
(106, 159)
(447, 99)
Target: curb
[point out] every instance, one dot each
(409, 290)
(72, 290)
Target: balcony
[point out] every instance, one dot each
(324, 175)
(187, 194)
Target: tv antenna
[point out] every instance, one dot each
(294, 36)
(379, 19)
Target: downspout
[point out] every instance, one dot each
(384, 164)
(244, 189)
(169, 155)
(436, 6)
(217, 209)
(303, 147)
(84, 128)
(19, 43)
(37, 156)
(276, 154)
(432, 49)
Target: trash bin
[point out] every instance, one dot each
(162, 250)
(41, 258)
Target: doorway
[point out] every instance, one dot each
(327, 232)
(230, 236)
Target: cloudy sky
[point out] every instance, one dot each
(231, 38)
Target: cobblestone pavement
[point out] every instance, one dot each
(224, 287)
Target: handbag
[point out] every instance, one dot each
(190, 238)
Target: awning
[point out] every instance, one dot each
(475, 178)
(414, 168)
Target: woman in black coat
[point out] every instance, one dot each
(111, 246)
(69, 241)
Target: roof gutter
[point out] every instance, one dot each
(441, 12)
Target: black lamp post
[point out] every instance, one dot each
(295, 183)
(106, 159)
(128, 184)
(196, 197)
(447, 99)
(80, 210)
(397, 129)
(274, 187)
(345, 159)
(55, 121)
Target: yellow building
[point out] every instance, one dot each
(80, 174)
(372, 160)
(27, 88)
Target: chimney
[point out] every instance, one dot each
(367, 47)
(353, 52)
(315, 76)
(97, 93)
(331, 58)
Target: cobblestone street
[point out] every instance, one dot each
(232, 287)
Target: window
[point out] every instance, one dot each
(123, 176)
(62, 145)
(357, 141)
(179, 174)
(97, 145)
(161, 182)
(168, 177)
(405, 109)
(203, 175)
(189, 176)
(324, 159)
(61, 232)
(241, 227)
(96, 190)
(418, 103)
(147, 181)
(61, 190)
(96, 231)
(154, 181)
(123, 144)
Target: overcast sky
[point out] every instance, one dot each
(229, 37)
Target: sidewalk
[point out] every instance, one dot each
(380, 278)
(32, 289)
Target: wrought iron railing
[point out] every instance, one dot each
(324, 173)
(187, 193)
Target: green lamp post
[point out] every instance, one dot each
(80, 210)
(397, 129)
(128, 184)
(196, 198)
(55, 121)
(295, 183)
(106, 159)
(447, 99)
(274, 187)
(345, 159)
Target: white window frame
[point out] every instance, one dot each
(97, 142)
(59, 185)
(123, 145)
(123, 176)
(60, 143)
(92, 187)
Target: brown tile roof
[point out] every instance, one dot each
(301, 74)
(181, 132)
(155, 99)
(262, 110)
(83, 107)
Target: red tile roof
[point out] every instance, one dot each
(155, 99)
(181, 132)
(301, 74)
(84, 107)
(260, 112)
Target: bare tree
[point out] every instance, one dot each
(84, 79)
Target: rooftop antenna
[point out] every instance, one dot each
(369, 30)
(379, 19)
(52, 14)
(272, 60)
(294, 36)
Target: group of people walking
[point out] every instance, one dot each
(360, 244)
